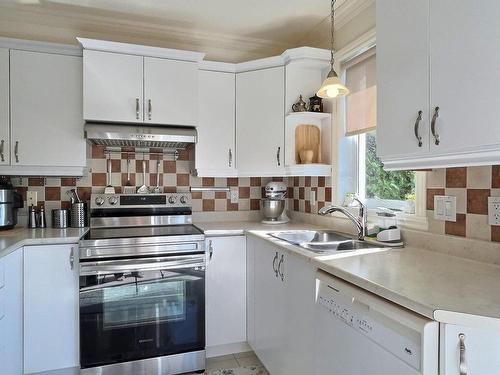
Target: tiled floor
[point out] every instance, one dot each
(232, 361)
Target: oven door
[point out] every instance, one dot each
(134, 309)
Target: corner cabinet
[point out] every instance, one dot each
(127, 88)
(4, 107)
(260, 122)
(51, 328)
(215, 152)
(421, 66)
(45, 115)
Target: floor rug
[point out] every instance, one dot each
(248, 370)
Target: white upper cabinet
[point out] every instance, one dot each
(170, 92)
(402, 77)
(215, 152)
(112, 87)
(51, 323)
(260, 119)
(4, 107)
(46, 111)
(465, 77)
(438, 54)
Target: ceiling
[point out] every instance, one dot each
(227, 30)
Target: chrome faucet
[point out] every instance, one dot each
(360, 222)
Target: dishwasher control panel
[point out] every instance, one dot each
(385, 331)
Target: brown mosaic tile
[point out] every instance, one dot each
(116, 165)
(182, 179)
(152, 179)
(321, 181)
(244, 192)
(52, 193)
(301, 193)
(289, 192)
(84, 193)
(132, 179)
(220, 195)
(307, 207)
(98, 179)
(495, 233)
(231, 206)
(208, 181)
(456, 177)
(328, 194)
(183, 154)
(68, 181)
(232, 181)
(170, 189)
(23, 190)
(138, 166)
(208, 205)
(36, 181)
(296, 181)
(98, 152)
(196, 195)
(457, 228)
(255, 181)
(495, 177)
(321, 204)
(66, 205)
(296, 205)
(430, 197)
(477, 201)
(307, 181)
(254, 204)
(169, 166)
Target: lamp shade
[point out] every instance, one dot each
(332, 87)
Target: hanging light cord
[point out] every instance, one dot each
(332, 20)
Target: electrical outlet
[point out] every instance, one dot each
(234, 194)
(312, 198)
(494, 210)
(31, 198)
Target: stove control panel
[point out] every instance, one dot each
(102, 201)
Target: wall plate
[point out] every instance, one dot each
(494, 210)
(445, 208)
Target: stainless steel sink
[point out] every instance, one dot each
(322, 241)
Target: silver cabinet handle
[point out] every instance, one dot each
(230, 158)
(210, 250)
(72, 258)
(274, 264)
(150, 109)
(1, 150)
(16, 151)
(280, 264)
(433, 126)
(137, 108)
(278, 156)
(462, 367)
(417, 123)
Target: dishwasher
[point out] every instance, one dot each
(358, 333)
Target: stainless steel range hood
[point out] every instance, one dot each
(135, 135)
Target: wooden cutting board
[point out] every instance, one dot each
(308, 137)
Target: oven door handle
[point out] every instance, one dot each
(149, 264)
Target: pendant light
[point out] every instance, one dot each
(332, 87)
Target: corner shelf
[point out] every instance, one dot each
(309, 170)
(309, 115)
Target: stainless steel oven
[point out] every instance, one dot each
(142, 289)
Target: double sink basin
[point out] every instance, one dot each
(322, 241)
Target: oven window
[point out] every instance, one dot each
(140, 314)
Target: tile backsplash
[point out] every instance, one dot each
(299, 193)
(471, 186)
(174, 176)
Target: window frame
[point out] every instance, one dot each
(418, 220)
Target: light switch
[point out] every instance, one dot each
(494, 210)
(445, 208)
(234, 194)
(31, 198)
(312, 198)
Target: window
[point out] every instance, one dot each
(363, 173)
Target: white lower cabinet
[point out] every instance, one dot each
(281, 289)
(51, 328)
(475, 349)
(11, 312)
(225, 295)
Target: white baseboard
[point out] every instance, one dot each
(218, 350)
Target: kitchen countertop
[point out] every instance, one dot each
(15, 238)
(442, 287)
(64, 371)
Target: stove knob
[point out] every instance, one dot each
(184, 199)
(99, 201)
(172, 199)
(113, 200)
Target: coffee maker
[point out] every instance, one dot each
(10, 202)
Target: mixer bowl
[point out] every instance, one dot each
(272, 208)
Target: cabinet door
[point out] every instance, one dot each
(4, 107)
(226, 291)
(269, 308)
(402, 77)
(170, 92)
(11, 312)
(465, 77)
(251, 244)
(260, 122)
(215, 153)
(51, 332)
(481, 349)
(112, 87)
(46, 110)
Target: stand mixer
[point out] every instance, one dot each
(273, 205)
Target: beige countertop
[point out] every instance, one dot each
(439, 286)
(13, 239)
